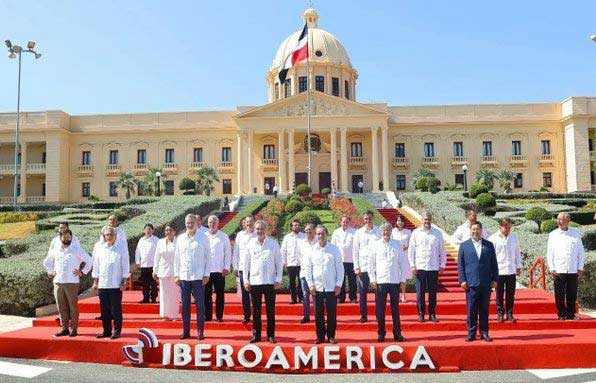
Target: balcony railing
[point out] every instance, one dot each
(85, 169)
(488, 159)
(196, 165)
(36, 167)
(459, 160)
(401, 162)
(170, 167)
(430, 161)
(225, 166)
(357, 161)
(6, 169)
(6, 200)
(113, 168)
(36, 199)
(546, 159)
(140, 168)
(518, 160)
(270, 162)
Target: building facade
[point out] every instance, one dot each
(69, 158)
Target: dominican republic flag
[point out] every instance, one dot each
(300, 53)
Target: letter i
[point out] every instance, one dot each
(166, 354)
(372, 358)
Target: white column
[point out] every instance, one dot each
(239, 168)
(291, 163)
(250, 162)
(344, 160)
(333, 136)
(385, 158)
(375, 159)
(281, 162)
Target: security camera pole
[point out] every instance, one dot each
(15, 51)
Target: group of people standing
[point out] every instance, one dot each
(327, 270)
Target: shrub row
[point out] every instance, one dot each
(545, 195)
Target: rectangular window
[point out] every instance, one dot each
(113, 157)
(287, 88)
(459, 179)
(85, 189)
(320, 83)
(545, 145)
(141, 156)
(197, 155)
(518, 182)
(356, 149)
(400, 182)
(400, 150)
(170, 156)
(547, 179)
(113, 189)
(226, 154)
(302, 84)
(169, 187)
(43, 157)
(429, 149)
(226, 186)
(458, 149)
(276, 91)
(347, 89)
(335, 86)
(487, 148)
(269, 152)
(86, 158)
(516, 148)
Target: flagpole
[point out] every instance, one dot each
(308, 107)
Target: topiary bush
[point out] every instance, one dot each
(422, 184)
(294, 206)
(583, 217)
(303, 190)
(486, 201)
(548, 225)
(433, 183)
(537, 214)
(307, 217)
(477, 189)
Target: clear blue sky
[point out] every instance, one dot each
(150, 56)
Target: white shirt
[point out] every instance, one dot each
(192, 257)
(290, 248)
(145, 251)
(221, 251)
(305, 247)
(363, 239)
(56, 243)
(203, 230)
(164, 258)
(462, 233)
(344, 240)
(62, 262)
(402, 235)
(388, 262)
(508, 252)
(263, 264)
(427, 249)
(274, 188)
(241, 248)
(477, 247)
(324, 267)
(120, 238)
(565, 251)
(111, 265)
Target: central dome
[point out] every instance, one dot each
(323, 46)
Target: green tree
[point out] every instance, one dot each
(486, 177)
(150, 181)
(207, 177)
(505, 178)
(188, 185)
(420, 173)
(126, 181)
(538, 215)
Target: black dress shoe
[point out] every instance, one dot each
(103, 335)
(184, 336)
(421, 318)
(304, 320)
(98, 318)
(332, 341)
(208, 319)
(63, 332)
(486, 338)
(255, 339)
(245, 320)
(353, 301)
(470, 338)
(144, 301)
(201, 336)
(115, 335)
(73, 333)
(219, 320)
(153, 300)
(500, 318)
(292, 302)
(344, 301)
(272, 339)
(433, 318)
(575, 317)
(399, 338)
(319, 341)
(510, 318)
(381, 339)
(363, 320)
(561, 317)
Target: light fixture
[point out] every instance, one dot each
(31, 44)
(37, 55)
(158, 174)
(593, 38)
(464, 168)
(11, 55)
(8, 43)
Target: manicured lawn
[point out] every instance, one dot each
(16, 230)
(327, 219)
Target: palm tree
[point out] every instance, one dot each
(505, 177)
(150, 180)
(486, 177)
(206, 178)
(422, 172)
(126, 181)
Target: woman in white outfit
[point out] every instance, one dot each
(400, 233)
(169, 291)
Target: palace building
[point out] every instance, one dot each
(71, 157)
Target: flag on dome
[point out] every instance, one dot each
(300, 53)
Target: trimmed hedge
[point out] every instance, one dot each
(545, 195)
(477, 189)
(485, 201)
(25, 285)
(91, 204)
(19, 217)
(583, 217)
(253, 207)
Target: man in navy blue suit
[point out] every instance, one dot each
(478, 273)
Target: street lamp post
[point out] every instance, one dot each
(158, 175)
(593, 38)
(15, 51)
(465, 169)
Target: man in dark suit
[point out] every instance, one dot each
(478, 273)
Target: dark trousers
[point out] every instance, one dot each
(256, 293)
(197, 289)
(477, 301)
(566, 294)
(426, 281)
(384, 289)
(305, 298)
(294, 283)
(217, 282)
(363, 282)
(245, 298)
(325, 300)
(110, 303)
(351, 277)
(149, 284)
(506, 286)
